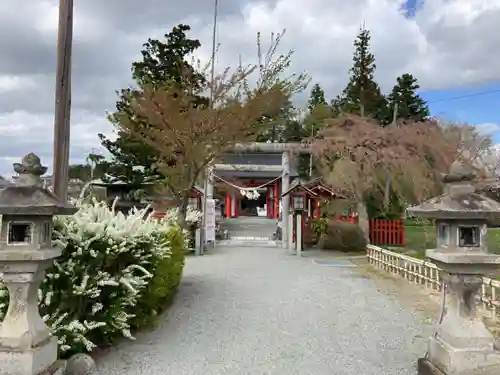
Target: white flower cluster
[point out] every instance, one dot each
(250, 194)
(193, 219)
(193, 216)
(105, 267)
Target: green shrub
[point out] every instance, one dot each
(163, 285)
(115, 274)
(374, 200)
(320, 226)
(343, 236)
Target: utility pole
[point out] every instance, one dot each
(203, 232)
(63, 100)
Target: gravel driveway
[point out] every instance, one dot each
(254, 311)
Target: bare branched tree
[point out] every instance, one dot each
(353, 151)
(187, 136)
(491, 160)
(472, 147)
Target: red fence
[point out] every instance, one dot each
(387, 232)
(382, 231)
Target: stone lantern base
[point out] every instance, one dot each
(449, 360)
(26, 346)
(462, 344)
(425, 367)
(37, 361)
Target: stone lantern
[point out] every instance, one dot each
(462, 344)
(26, 209)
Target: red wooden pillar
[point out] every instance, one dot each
(268, 202)
(228, 205)
(276, 201)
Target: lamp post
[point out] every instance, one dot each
(298, 207)
(63, 100)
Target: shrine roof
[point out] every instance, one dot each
(299, 187)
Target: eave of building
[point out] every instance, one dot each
(248, 167)
(303, 148)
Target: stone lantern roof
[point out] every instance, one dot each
(27, 195)
(460, 201)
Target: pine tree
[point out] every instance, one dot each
(362, 95)
(163, 63)
(285, 127)
(410, 106)
(316, 97)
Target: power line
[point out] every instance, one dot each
(464, 96)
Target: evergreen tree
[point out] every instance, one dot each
(316, 106)
(362, 95)
(318, 111)
(293, 131)
(316, 97)
(285, 127)
(410, 106)
(163, 63)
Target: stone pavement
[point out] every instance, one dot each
(257, 311)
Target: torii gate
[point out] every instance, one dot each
(286, 149)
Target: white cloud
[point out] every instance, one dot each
(449, 43)
(488, 128)
(10, 83)
(23, 132)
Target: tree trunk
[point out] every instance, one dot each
(181, 214)
(363, 221)
(387, 191)
(361, 207)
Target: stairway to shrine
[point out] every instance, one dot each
(249, 231)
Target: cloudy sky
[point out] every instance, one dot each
(449, 45)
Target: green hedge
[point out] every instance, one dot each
(343, 236)
(163, 286)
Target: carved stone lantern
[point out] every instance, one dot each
(462, 344)
(27, 209)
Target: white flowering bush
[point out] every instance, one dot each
(193, 222)
(116, 273)
(193, 216)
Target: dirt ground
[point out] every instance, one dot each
(414, 296)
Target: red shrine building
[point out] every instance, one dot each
(260, 170)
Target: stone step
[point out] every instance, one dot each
(248, 243)
(249, 238)
(249, 231)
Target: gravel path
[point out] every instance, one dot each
(254, 311)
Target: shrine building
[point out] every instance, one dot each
(267, 167)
